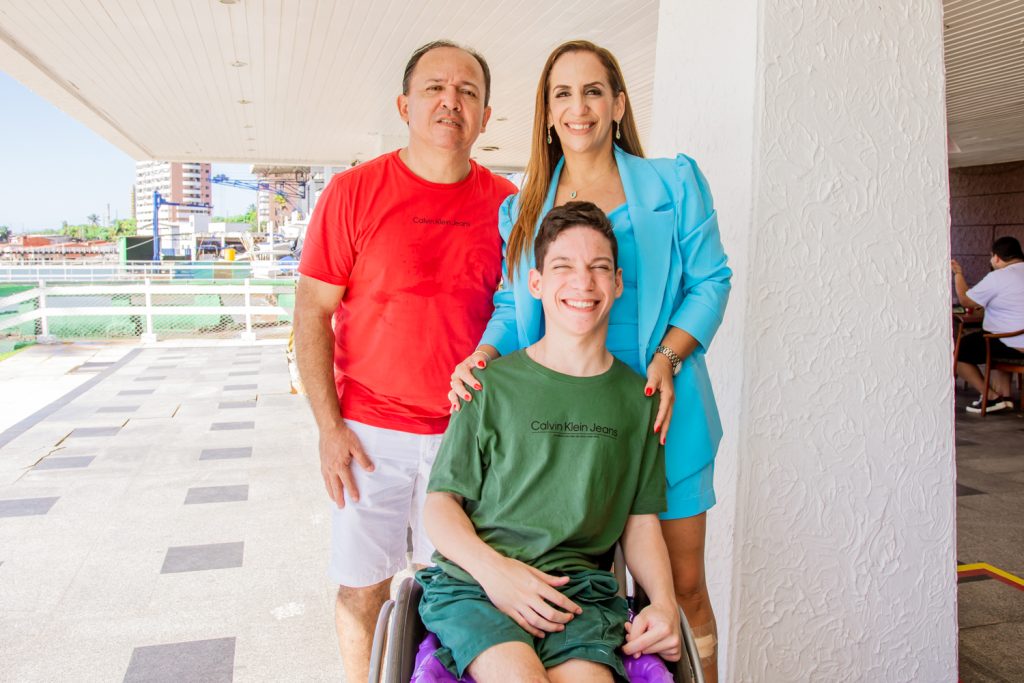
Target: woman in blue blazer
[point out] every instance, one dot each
(586, 148)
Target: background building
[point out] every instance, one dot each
(178, 182)
(272, 206)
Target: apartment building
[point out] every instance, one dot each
(176, 181)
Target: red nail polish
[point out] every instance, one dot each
(648, 391)
(477, 387)
(467, 397)
(656, 428)
(481, 364)
(662, 441)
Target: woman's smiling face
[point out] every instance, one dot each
(581, 105)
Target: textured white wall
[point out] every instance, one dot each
(704, 94)
(821, 127)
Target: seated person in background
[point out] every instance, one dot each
(539, 477)
(1001, 294)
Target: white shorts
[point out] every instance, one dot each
(369, 539)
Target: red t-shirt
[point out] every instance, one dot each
(420, 262)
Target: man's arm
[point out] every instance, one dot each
(656, 628)
(517, 589)
(315, 303)
(960, 283)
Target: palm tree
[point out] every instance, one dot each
(93, 218)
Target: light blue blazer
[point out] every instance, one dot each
(683, 281)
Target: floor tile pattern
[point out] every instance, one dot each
(217, 494)
(195, 558)
(210, 661)
(132, 548)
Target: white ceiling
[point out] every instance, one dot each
(155, 77)
(985, 80)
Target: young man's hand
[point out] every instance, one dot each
(528, 596)
(338, 448)
(655, 631)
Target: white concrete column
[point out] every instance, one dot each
(821, 128)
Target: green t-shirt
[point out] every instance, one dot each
(550, 465)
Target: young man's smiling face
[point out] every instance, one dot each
(578, 284)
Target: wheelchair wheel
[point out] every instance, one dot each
(404, 634)
(379, 637)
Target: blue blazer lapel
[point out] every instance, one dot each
(651, 211)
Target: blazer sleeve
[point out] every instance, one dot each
(501, 331)
(706, 274)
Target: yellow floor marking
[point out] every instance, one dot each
(986, 567)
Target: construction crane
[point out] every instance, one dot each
(158, 201)
(286, 189)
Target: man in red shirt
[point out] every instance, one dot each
(404, 253)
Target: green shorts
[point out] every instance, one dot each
(467, 623)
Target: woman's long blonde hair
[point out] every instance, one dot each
(544, 156)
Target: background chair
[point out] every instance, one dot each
(1013, 366)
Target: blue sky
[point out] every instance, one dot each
(53, 168)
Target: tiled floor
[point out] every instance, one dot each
(167, 524)
(990, 510)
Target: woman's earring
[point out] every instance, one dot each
(549, 135)
(618, 130)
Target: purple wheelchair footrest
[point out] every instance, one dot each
(428, 669)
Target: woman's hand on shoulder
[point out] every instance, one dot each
(463, 378)
(659, 379)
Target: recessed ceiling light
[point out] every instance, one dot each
(248, 125)
(244, 101)
(501, 118)
(489, 148)
(251, 149)
(239, 62)
(228, 2)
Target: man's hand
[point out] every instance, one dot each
(655, 631)
(338, 448)
(528, 596)
(956, 267)
(659, 378)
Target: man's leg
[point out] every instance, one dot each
(580, 670)
(355, 615)
(973, 376)
(685, 540)
(512, 661)
(368, 541)
(1000, 382)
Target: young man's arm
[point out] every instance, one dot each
(515, 588)
(656, 628)
(315, 303)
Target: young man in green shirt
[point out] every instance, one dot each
(539, 477)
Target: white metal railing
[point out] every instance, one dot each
(34, 271)
(76, 301)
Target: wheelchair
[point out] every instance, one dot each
(399, 633)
